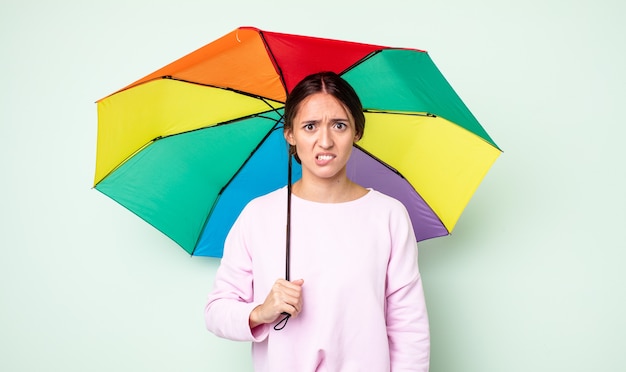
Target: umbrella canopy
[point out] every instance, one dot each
(186, 147)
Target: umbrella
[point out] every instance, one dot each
(187, 146)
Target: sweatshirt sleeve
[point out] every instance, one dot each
(407, 319)
(230, 303)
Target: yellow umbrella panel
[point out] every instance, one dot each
(132, 119)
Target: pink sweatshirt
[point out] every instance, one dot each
(363, 304)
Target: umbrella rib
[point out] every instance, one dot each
(394, 170)
(248, 94)
(127, 158)
(155, 139)
(372, 54)
(407, 113)
(221, 192)
(255, 115)
(360, 61)
(280, 118)
(247, 159)
(279, 70)
(404, 178)
(429, 115)
(171, 77)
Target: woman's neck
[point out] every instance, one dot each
(328, 191)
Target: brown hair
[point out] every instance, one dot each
(324, 82)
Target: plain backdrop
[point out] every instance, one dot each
(532, 278)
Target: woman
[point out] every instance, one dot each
(358, 303)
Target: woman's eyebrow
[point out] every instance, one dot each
(315, 121)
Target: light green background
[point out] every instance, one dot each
(531, 280)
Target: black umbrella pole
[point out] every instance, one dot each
(288, 229)
(283, 322)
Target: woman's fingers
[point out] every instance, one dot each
(288, 296)
(284, 297)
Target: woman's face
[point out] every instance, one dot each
(323, 132)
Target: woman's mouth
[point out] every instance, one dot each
(324, 157)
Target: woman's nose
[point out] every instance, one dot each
(325, 139)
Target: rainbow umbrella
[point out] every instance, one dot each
(186, 147)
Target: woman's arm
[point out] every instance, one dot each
(407, 318)
(228, 309)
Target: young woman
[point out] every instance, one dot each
(357, 303)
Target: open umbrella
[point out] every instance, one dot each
(186, 147)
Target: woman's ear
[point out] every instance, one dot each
(289, 137)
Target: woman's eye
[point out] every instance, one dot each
(340, 125)
(309, 126)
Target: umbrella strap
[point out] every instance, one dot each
(283, 322)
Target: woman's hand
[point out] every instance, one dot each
(284, 297)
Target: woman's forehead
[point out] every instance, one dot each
(322, 104)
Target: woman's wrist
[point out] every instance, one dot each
(253, 319)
